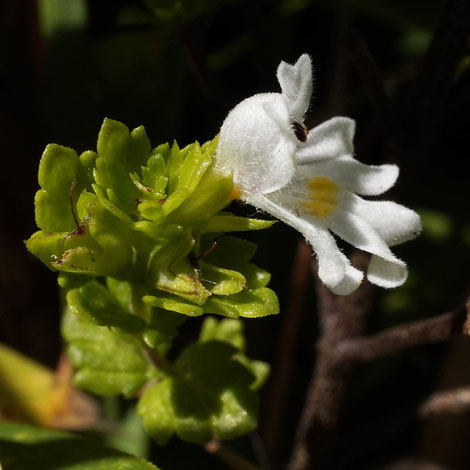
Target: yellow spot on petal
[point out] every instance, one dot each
(323, 197)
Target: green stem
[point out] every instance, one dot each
(144, 311)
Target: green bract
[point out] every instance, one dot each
(139, 238)
(221, 382)
(147, 217)
(23, 446)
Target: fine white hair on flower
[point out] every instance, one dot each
(310, 180)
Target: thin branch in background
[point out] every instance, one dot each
(431, 89)
(230, 457)
(466, 326)
(446, 402)
(392, 340)
(300, 280)
(414, 464)
(341, 318)
(260, 451)
(355, 445)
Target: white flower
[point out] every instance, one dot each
(310, 181)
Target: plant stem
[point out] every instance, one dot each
(341, 318)
(392, 340)
(282, 373)
(447, 402)
(231, 458)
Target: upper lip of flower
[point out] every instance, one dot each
(311, 181)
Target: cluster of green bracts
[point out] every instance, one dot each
(139, 237)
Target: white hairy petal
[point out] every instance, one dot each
(356, 231)
(393, 222)
(311, 182)
(296, 85)
(385, 273)
(331, 139)
(367, 180)
(334, 269)
(351, 281)
(252, 146)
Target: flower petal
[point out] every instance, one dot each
(253, 147)
(351, 281)
(389, 271)
(367, 180)
(296, 85)
(331, 139)
(334, 268)
(386, 274)
(393, 222)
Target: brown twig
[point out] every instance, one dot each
(341, 318)
(231, 458)
(466, 326)
(282, 374)
(392, 340)
(414, 464)
(446, 402)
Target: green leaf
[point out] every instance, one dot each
(103, 195)
(210, 196)
(71, 280)
(221, 281)
(231, 223)
(209, 396)
(98, 304)
(30, 391)
(230, 251)
(250, 303)
(122, 292)
(228, 330)
(60, 171)
(108, 362)
(255, 276)
(185, 170)
(234, 253)
(25, 447)
(100, 247)
(174, 162)
(165, 324)
(173, 303)
(120, 153)
(153, 175)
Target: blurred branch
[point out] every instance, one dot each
(447, 402)
(231, 458)
(300, 279)
(392, 340)
(414, 464)
(341, 348)
(341, 318)
(466, 326)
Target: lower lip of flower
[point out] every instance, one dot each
(323, 197)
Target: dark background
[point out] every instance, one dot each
(178, 67)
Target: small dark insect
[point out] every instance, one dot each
(300, 131)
